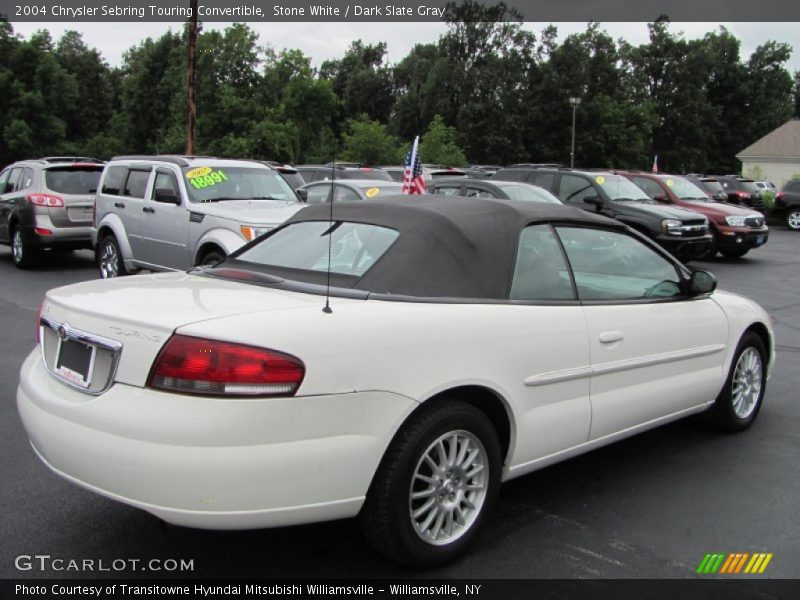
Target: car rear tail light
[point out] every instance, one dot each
(48, 200)
(42, 231)
(779, 195)
(191, 365)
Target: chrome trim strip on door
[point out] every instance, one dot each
(621, 365)
(84, 337)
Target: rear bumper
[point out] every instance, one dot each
(210, 462)
(73, 236)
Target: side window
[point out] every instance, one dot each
(12, 179)
(543, 180)
(345, 194)
(608, 265)
(136, 184)
(541, 272)
(574, 189)
(165, 181)
(650, 187)
(4, 180)
(25, 181)
(447, 190)
(478, 193)
(112, 184)
(318, 194)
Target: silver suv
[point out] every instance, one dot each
(174, 212)
(47, 203)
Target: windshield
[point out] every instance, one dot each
(618, 187)
(529, 193)
(713, 187)
(685, 189)
(73, 180)
(352, 247)
(220, 183)
(749, 186)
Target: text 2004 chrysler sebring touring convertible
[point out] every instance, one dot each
(470, 341)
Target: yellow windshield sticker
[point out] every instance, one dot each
(198, 172)
(600, 179)
(206, 178)
(670, 182)
(372, 192)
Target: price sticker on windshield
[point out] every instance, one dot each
(600, 179)
(372, 192)
(203, 177)
(670, 182)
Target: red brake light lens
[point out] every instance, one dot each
(48, 200)
(191, 365)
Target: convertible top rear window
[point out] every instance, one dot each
(353, 247)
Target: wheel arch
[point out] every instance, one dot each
(224, 239)
(113, 225)
(204, 249)
(761, 331)
(489, 402)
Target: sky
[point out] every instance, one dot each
(323, 41)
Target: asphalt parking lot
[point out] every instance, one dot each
(648, 507)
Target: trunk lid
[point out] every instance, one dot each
(142, 312)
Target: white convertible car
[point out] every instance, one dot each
(466, 342)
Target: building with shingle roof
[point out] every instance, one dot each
(776, 155)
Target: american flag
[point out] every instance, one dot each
(655, 164)
(413, 183)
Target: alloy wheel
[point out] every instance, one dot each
(448, 487)
(746, 383)
(793, 220)
(109, 259)
(17, 249)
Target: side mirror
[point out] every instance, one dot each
(703, 282)
(661, 198)
(596, 201)
(167, 196)
(303, 195)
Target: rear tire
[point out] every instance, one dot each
(109, 258)
(738, 403)
(23, 253)
(438, 480)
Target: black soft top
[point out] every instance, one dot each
(449, 246)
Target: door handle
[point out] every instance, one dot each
(147, 209)
(611, 337)
(119, 205)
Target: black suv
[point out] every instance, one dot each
(682, 232)
(742, 191)
(787, 204)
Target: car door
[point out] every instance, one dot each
(650, 187)
(131, 205)
(573, 189)
(165, 225)
(547, 351)
(655, 350)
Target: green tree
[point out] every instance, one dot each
(439, 146)
(368, 142)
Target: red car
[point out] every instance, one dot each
(736, 229)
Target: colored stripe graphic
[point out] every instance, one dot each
(734, 563)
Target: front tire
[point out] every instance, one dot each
(211, 258)
(23, 253)
(434, 487)
(739, 401)
(109, 258)
(793, 219)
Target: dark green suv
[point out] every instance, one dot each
(683, 233)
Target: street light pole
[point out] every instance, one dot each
(574, 102)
